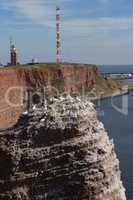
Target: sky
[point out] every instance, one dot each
(92, 31)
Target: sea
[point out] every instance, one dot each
(117, 115)
(116, 68)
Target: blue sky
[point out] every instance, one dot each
(93, 31)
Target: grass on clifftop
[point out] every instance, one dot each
(50, 66)
(106, 84)
(42, 65)
(130, 86)
(102, 88)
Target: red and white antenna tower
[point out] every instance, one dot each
(58, 34)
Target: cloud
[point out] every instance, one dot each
(43, 13)
(102, 23)
(38, 11)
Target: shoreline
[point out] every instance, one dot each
(114, 94)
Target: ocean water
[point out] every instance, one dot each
(116, 68)
(120, 126)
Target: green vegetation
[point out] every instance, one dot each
(44, 65)
(101, 89)
(130, 86)
(34, 66)
(107, 85)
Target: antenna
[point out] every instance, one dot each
(58, 35)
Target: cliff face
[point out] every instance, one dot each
(59, 152)
(14, 82)
(9, 94)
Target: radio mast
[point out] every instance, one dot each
(58, 34)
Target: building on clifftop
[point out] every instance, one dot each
(13, 54)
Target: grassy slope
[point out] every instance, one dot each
(35, 66)
(130, 86)
(108, 85)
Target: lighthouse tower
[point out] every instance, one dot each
(13, 54)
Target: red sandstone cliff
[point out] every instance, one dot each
(67, 78)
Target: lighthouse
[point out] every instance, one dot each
(13, 54)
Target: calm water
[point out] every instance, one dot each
(116, 68)
(120, 128)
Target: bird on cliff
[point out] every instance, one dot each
(34, 107)
(25, 113)
(78, 99)
(42, 120)
(62, 98)
(70, 98)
